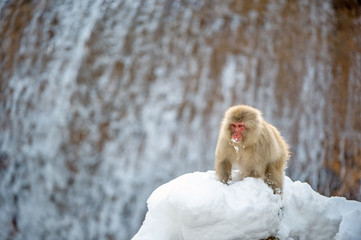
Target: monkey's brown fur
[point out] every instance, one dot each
(261, 153)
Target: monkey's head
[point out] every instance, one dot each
(242, 123)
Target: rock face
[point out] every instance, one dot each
(100, 102)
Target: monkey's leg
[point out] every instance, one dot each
(223, 171)
(274, 176)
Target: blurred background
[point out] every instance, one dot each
(103, 101)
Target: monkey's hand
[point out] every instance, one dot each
(224, 177)
(223, 171)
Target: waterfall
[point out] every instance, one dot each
(102, 101)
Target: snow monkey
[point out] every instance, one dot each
(253, 145)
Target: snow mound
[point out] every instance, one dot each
(198, 206)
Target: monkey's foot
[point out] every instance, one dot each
(224, 177)
(270, 238)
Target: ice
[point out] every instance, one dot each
(197, 206)
(307, 214)
(103, 101)
(350, 228)
(236, 148)
(232, 144)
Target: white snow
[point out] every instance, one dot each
(198, 206)
(234, 146)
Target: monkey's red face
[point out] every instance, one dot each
(237, 129)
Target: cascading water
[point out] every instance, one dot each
(103, 101)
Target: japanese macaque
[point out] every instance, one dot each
(253, 145)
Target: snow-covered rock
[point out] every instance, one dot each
(197, 206)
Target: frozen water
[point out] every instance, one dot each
(102, 101)
(198, 206)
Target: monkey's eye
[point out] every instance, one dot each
(233, 125)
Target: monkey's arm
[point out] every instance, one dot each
(223, 171)
(274, 175)
(223, 166)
